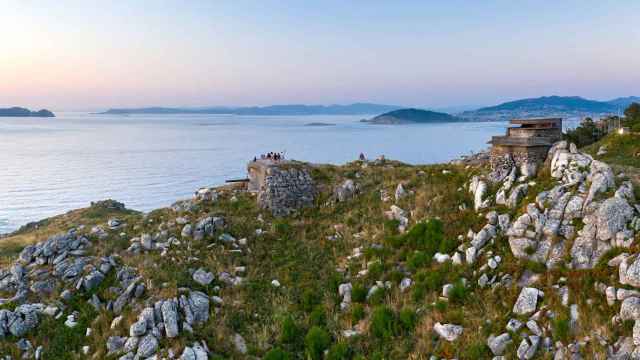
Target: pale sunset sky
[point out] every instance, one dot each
(71, 55)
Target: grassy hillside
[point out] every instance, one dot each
(288, 304)
(622, 152)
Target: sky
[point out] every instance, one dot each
(72, 55)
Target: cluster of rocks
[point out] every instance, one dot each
(543, 233)
(400, 215)
(202, 195)
(574, 217)
(108, 204)
(163, 241)
(59, 259)
(479, 158)
(548, 226)
(535, 334)
(21, 320)
(166, 318)
(59, 263)
(286, 189)
(206, 226)
(345, 191)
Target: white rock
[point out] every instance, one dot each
(527, 301)
(441, 258)
(498, 344)
(449, 332)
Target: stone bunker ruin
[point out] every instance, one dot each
(526, 146)
(281, 186)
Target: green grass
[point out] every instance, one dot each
(302, 318)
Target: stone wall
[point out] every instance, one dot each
(282, 187)
(526, 159)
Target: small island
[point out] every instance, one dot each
(411, 116)
(320, 124)
(22, 112)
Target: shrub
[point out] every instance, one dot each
(357, 312)
(383, 323)
(377, 297)
(391, 227)
(339, 351)
(561, 328)
(427, 236)
(418, 291)
(458, 293)
(316, 342)
(477, 350)
(289, 330)
(310, 298)
(277, 354)
(282, 228)
(417, 260)
(408, 319)
(317, 316)
(375, 270)
(441, 306)
(359, 293)
(585, 134)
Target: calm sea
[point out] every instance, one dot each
(50, 166)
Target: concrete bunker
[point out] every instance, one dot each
(526, 146)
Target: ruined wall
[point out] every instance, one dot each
(283, 188)
(527, 159)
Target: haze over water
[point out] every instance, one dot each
(55, 165)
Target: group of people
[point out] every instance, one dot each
(275, 156)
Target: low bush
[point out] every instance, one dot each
(359, 293)
(316, 342)
(357, 312)
(289, 330)
(561, 328)
(277, 354)
(339, 351)
(383, 323)
(408, 319)
(318, 317)
(459, 293)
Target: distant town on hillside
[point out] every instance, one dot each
(562, 106)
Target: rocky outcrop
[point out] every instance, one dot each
(449, 332)
(478, 188)
(548, 226)
(168, 317)
(345, 191)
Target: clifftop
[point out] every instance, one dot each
(390, 261)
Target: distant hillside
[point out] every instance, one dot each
(552, 103)
(412, 116)
(22, 112)
(352, 109)
(623, 102)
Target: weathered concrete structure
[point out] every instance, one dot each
(281, 186)
(525, 146)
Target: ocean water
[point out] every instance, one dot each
(50, 166)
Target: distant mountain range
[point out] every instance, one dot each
(565, 106)
(352, 109)
(22, 112)
(412, 116)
